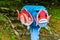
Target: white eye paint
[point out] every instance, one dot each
(22, 19)
(28, 27)
(43, 20)
(43, 23)
(29, 18)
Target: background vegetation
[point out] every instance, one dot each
(12, 29)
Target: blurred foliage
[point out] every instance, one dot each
(0, 35)
(8, 8)
(2, 18)
(16, 4)
(13, 37)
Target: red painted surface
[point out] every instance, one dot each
(42, 15)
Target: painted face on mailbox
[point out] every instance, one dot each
(27, 19)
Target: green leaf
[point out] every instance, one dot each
(0, 34)
(2, 18)
(13, 36)
(18, 0)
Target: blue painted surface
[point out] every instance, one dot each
(34, 30)
(32, 9)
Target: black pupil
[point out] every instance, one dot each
(45, 15)
(39, 16)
